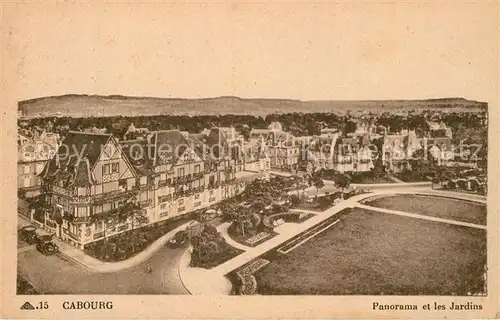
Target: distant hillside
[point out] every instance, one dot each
(99, 106)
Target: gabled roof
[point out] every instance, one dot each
(169, 145)
(83, 174)
(198, 143)
(76, 157)
(137, 153)
(444, 143)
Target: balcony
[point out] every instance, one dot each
(46, 187)
(122, 227)
(98, 235)
(163, 183)
(72, 235)
(80, 199)
(109, 196)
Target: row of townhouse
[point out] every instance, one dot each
(334, 152)
(170, 173)
(398, 149)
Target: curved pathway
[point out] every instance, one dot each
(420, 216)
(195, 278)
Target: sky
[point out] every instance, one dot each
(341, 51)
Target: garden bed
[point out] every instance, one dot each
(253, 239)
(227, 253)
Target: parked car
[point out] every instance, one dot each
(28, 234)
(179, 239)
(47, 247)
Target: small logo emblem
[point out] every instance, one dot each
(27, 306)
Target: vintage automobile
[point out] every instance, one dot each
(28, 234)
(47, 247)
(40, 237)
(179, 239)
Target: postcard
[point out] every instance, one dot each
(249, 160)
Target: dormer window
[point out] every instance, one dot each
(111, 168)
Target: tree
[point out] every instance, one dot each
(130, 209)
(378, 168)
(342, 181)
(318, 183)
(349, 127)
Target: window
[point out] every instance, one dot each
(197, 196)
(163, 206)
(26, 169)
(143, 180)
(81, 211)
(98, 189)
(197, 204)
(98, 209)
(197, 168)
(163, 214)
(99, 226)
(27, 182)
(181, 202)
(122, 184)
(106, 207)
(111, 168)
(106, 169)
(180, 172)
(82, 191)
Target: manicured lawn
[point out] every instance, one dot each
(372, 253)
(440, 207)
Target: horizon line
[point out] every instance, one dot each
(125, 97)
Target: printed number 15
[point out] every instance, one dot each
(43, 305)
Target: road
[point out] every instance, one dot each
(59, 275)
(55, 275)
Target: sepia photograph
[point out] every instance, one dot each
(233, 150)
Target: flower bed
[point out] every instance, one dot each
(246, 280)
(227, 252)
(258, 238)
